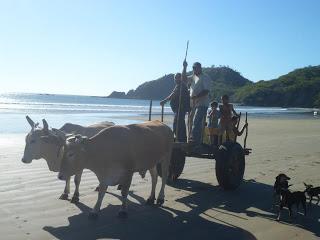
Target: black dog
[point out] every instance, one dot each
(280, 183)
(312, 192)
(289, 198)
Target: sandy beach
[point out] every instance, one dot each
(195, 207)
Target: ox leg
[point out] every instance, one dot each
(64, 195)
(165, 172)
(154, 179)
(102, 191)
(124, 192)
(77, 180)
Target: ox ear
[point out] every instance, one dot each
(45, 126)
(30, 122)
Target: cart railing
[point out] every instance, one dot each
(187, 146)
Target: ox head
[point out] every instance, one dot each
(41, 142)
(74, 156)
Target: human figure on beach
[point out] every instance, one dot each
(213, 122)
(227, 112)
(179, 124)
(199, 93)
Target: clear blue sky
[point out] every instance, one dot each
(95, 47)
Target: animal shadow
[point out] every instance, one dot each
(144, 222)
(151, 222)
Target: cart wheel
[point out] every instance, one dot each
(230, 165)
(176, 166)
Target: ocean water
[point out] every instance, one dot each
(85, 110)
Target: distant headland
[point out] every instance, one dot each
(299, 88)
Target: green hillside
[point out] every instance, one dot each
(224, 81)
(299, 88)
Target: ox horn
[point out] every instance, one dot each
(30, 122)
(45, 126)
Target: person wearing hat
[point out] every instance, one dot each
(199, 84)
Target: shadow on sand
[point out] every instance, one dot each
(251, 198)
(145, 222)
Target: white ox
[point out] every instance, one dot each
(115, 153)
(45, 143)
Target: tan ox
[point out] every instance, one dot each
(115, 153)
(45, 143)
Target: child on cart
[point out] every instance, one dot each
(227, 112)
(213, 123)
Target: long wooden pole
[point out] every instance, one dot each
(245, 138)
(238, 123)
(179, 107)
(162, 109)
(150, 108)
(185, 57)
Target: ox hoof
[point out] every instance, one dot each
(122, 214)
(150, 201)
(64, 196)
(119, 187)
(74, 199)
(160, 202)
(93, 216)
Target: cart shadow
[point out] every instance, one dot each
(144, 222)
(251, 198)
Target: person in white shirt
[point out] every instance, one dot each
(199, 84)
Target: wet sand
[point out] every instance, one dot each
(195, 207)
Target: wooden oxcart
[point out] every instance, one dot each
(229, 156)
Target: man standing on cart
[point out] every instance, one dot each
(180, 105)
(199, 84)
